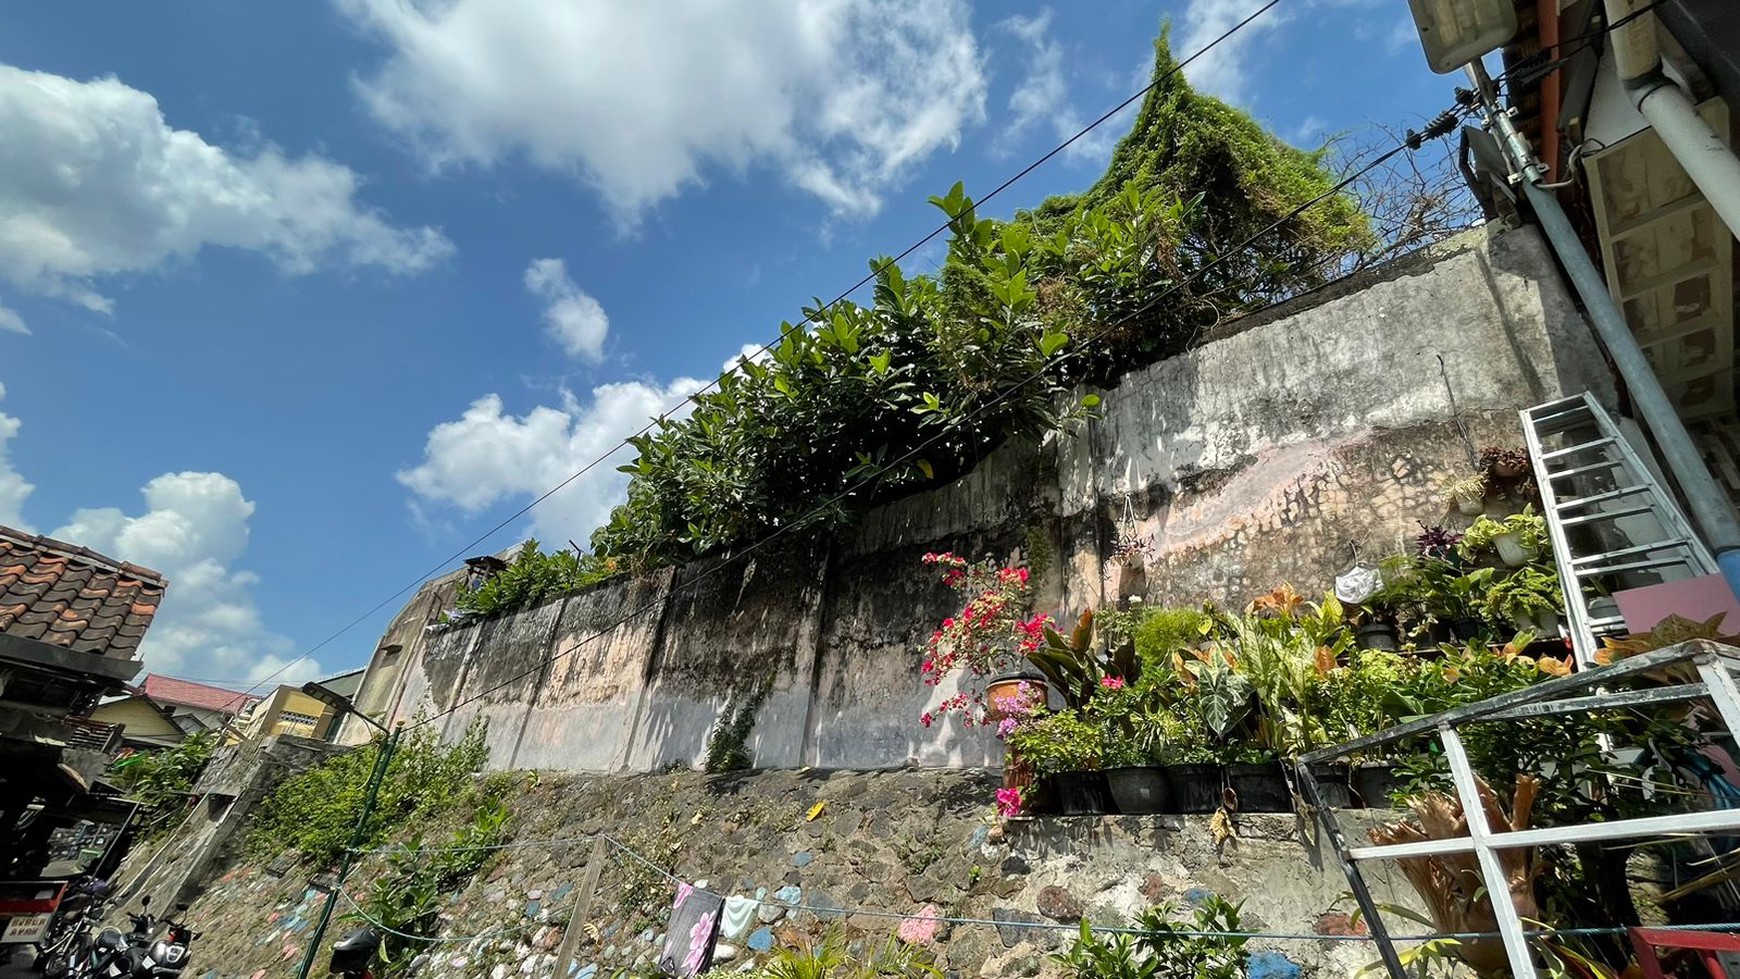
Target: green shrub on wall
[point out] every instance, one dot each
(821, 426)
(315, 812)
(534, 576)
(161, 780)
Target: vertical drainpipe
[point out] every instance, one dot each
(1669, 110)
(1711, 509)
(1547, 16)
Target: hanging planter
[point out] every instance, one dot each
(1512, 551)
(1131, 548)
(1468, 494)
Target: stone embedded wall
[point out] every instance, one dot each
(1275, 453)
(237, 777)
(885, 845)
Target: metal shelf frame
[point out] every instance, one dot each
(1578, 693)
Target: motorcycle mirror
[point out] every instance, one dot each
(181, 907)
(145, 901)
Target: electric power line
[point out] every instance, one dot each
(874, 272)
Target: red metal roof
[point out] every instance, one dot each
(186, 693)
(71, 596)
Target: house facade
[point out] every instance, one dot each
(71, 621)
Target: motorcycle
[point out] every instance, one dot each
(69, 935)
(352, 955)
(139, 954)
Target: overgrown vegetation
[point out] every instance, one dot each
(534, 576)
(728, 744)
(315, 812)
(1205, 947)
(958, 362)
(833, 958)
(408, 897)
(161, 780)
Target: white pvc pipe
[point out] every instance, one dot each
(1669, 110)
(1705, 157)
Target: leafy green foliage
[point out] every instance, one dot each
(315, 812)
(161, 780)
(1165, 948)
(1062, 741)
(534, 576)
(832, 419)
(408, 897)
(728, 744)
(831, 959)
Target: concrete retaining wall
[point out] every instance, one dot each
(1296, 440)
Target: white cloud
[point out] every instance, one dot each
(572, 318)
(1040, 94)
(11, 322)
(1221, 72)
(94, 182)
(193, 530)
(13, 488)
(641, 100)
(488, 455)
(1041, 97)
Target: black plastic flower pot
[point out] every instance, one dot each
(1468, 630)
(1082, 794)
(1374, 783)
(1377, 635)
(1260, 787)
(1195, 787)
(1334, 785)
(1140, 789)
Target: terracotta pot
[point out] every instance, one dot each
(1017, 774)
(1006, 689)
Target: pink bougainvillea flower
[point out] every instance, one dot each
(1009, 802)
(1112, 682)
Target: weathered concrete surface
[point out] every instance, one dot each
(1275, 453)
(236, 778)
(885, 846)
(401, 644)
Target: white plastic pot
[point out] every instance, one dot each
(1512, 552)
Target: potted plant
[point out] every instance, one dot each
(1193, 776)
(1467, 494)
(1521, 537)
(1136, 731)
(1529, 598)
(1065, 750)
(1138, 786)
(1256, 778)
(1013, 692)
(1503, 464)
(983, 647)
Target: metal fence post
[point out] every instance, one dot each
(1510, 928)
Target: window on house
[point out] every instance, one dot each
(290, 718)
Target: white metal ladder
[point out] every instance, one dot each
(1612, 525)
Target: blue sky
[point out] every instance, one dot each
(297, 299)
